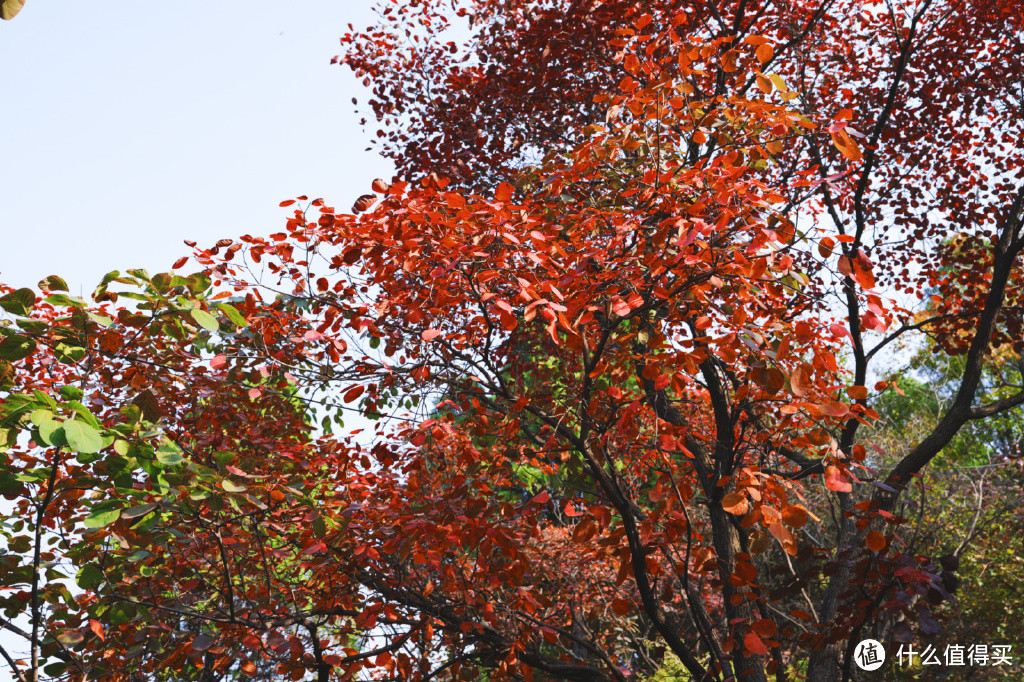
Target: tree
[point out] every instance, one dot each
(620, 364)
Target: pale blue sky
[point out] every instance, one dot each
(129, 126)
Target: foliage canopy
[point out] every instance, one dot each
(618, 324)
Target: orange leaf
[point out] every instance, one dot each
(865, 278)
(800, 380)
(584, 531)
(765, 52)
(846, 146)
(503, 192)
(831, 408)
(783, 351)
(794, 515)
(875, 541)
(784, 536)
(735, 503)
(825, 247)
(836, 480)
(858, 392)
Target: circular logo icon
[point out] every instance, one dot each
(869, 654)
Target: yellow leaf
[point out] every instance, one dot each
(10, 8)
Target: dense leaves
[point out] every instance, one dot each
(615, 328)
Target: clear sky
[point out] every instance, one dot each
(129, 126)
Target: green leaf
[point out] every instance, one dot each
(205, 319)
(53, 434)
(198, 283)
(18, 302)
(71, 637)
(101, 320)
(31, 326)
(69, 354)
(99, 519)
(82, 437)
(14, 347)
(65, 300)
(232, 314)
(71, 393)
(89, 577)
(53, 283)
(121, 613)
(55, 669)
(141, 510)
(233, 487)
(169, 453)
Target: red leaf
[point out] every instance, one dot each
(754, 645)
(621, 606)
(541, 498)
(765, 627)
(288, 202)
(178, 263)
(363, 203)
(503, 192)
(353, 393)
(430, 334)
(875, 541)
(219, 361)
(836, 480)
(825, 246)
